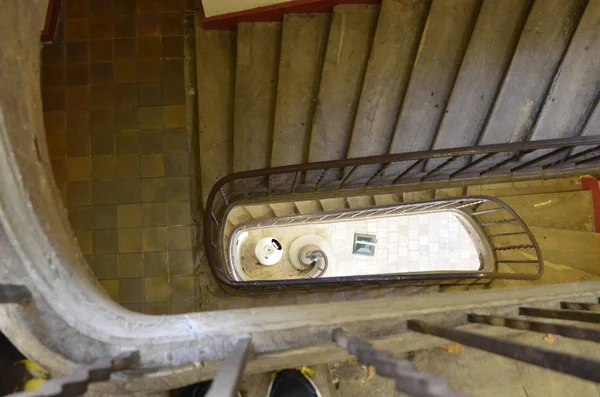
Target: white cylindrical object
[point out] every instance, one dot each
(268, 251)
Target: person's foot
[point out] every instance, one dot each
(200, 389)
(292, 383)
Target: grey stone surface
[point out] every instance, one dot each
(303, 44)
(258, 46)
(348, 48)
(542, 44)
(216, 74)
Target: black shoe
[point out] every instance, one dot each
(292, 383)
(200, 389)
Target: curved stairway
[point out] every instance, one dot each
(404, 76)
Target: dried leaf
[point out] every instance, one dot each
(549, 338)
(307, 371)
(371, 372)
(453, 348)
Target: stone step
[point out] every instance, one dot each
(571, 96)
(563, 210)
(257, 60)
(481, 73)
(420, 195)
(544, 40)
(579, 250)
(333, 204)
(442, 47)
(387, 199)
(239, 215)
(360, 202)
(303, 43)
(526, 187)
(450, 192)
(348, 48)
(504, 377)
(260, 211)
(393, 53)
(308, 207)
(283, 209)
(216, 73)
(554, 273)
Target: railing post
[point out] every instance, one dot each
(10, 293)
(408, 378)
(227, 381)
(77, 383)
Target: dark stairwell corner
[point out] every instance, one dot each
(114, 109)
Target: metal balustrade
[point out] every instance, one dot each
(391, 173)
(408, 378)
(499, 234)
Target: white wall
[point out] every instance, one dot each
(218, 7)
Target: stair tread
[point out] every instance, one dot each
(593, 124)
(215, 64)
(283, 209)
(239, 215)
(303, 43)
(308, 207)
(571, 96)
(450, 192)
(333, 204)
(553, 273)
(549, 26)
(388, 71)
(562, 210)
(260, 211)
(421, 195)
(360, 202)
(387, 199)
(443, 44)
(526, 187)
(576, 249)
(255, 91)
(308, 297)
(503, 377)
(481, 72)
(348, 47)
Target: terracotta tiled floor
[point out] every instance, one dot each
(114, 106)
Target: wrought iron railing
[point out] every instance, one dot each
(395, 172)
(521, 311)
(507, 247)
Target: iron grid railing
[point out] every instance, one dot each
(405, 171)
(507, 248)
(408, 378)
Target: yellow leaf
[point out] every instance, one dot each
(34, 369)
(34, 384)
(307, 371)
(549, 338)
(453, 347)
(371, 372)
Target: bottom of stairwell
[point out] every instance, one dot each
(401, 244)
